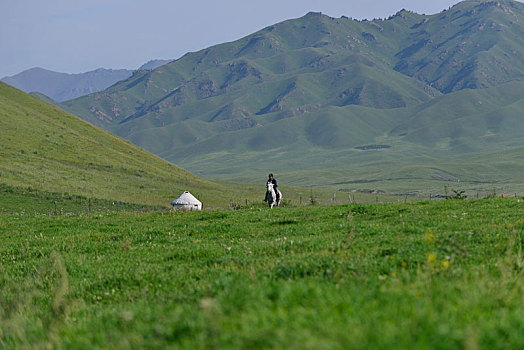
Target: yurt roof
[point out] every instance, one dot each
(186, 198)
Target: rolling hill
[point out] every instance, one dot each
(44, 148)
(336, 98)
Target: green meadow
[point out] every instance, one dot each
(30, 201)
(432, 274)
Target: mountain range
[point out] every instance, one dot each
(409, 101)
(62, 86)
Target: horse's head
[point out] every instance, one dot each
(269, 186)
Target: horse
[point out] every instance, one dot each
(271, 196)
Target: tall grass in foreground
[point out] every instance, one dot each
(442, 275)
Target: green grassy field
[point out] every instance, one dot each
(439, 274)
(26, 201)
(29, 201)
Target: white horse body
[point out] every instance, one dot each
(271, 196)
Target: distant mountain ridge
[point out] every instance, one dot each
(321, 92)
(63, 86)
(153, 64)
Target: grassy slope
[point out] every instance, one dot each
(48, 149)
(468, 120)
(446, 275)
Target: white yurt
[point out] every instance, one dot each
(186, 201)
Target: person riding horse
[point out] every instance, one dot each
(274, 182)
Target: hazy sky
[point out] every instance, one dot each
(75, 36)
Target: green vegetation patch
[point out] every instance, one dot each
(30, 201)
(441, 274)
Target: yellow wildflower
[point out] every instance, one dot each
(430, 237)
(431, 257)
(445, 264)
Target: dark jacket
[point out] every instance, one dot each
(274, 182)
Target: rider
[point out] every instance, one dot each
(274, 182)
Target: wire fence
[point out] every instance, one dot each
(16, 201)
